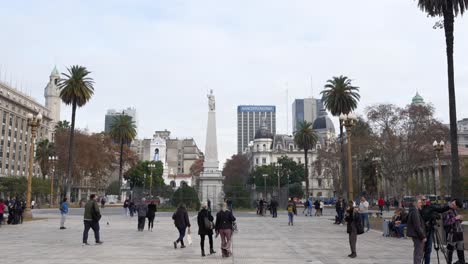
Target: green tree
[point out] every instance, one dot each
(76, 89)
(187, 195)
(339, 96)
(236, 173)
(305, 138)
(139, 176)
(295, 190)
(449, 9)
(44, 150)
(62, 125)
(113, 188)
(123, 130)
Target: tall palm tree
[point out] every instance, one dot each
(44, 150)
(123, 130)
(339, 96)
(449, 9)
(305, 138)
(62, 125)
(76, 89)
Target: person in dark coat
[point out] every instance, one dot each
(205, 228)
(152, 209)
(352, 219)
(274, 208)
(223, 227)
(142, 210)
(181, 221)
(416, 229)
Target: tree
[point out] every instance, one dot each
(62, 125)
(186, 195)
(195, 170)
(76, 89)
(139, 176)
(449, 9)
(305, 138)
(113, 188)
(339, 96)
(123, 130)
(44, 150)
(236, 172)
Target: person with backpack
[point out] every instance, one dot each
(205, 228)
(63, 212)
(354, 227)
(291, 211)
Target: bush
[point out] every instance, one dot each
(113, 188)
(187, 195)
(295, 190)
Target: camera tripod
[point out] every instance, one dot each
(437, 243)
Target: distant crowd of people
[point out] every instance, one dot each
(15, 208)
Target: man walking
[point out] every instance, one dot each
(364, 212)
(91, 218)
(416, 229)
(142, 210)
(274, 208)
(63, 212)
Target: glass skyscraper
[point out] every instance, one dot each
(249, 120)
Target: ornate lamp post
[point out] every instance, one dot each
(151, 166)
(348, 121)
(52, 159)
(33, 122)
(438, 148)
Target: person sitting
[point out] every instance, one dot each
(397, 225)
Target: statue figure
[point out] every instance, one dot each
(156, 155)
(211, 101)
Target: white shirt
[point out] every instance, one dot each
(364, 207)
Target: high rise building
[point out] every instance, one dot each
(111, 114)
(249, 120)
(306, 109)
(463, 133)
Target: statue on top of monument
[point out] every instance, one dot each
(211, 101)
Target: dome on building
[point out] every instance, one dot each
(323, 122)
(263, 131)
(417, 99)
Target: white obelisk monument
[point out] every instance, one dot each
(211, 180)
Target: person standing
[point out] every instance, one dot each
(452, 223)
(352, 219)
(205, 228)
(322, 204)
(317, 207)
(181, 222)
(151, 215)
(291, 208)
(91, 218)
(364, 212)
(142, 210)
(381, 204)
(2, 211)
(274, 208)
(416, 229)
(63, 212)
(103, 202)
(339, 211)
(309, 206)
(223, 227)
(126, 205)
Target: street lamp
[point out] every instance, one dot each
(33, 122)
(348, 121)
(438, 148)
(151, 166)
(264, 183)
(52, 159)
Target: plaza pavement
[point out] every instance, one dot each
(260, 240)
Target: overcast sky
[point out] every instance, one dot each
(162, 57)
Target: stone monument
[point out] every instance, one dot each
(211, 180)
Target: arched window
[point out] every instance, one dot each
(291, 147)
(183, 184)
(173, 184)
(264, 147)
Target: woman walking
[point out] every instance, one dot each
(223, 227)
(352, 218)
(151, 215)
(205, 227)
(181, 222)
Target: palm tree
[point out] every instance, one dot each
(123, 130)
(339, 96)
(449, 9)
(62, 125)
(76, 89)
(305, 138)
(44, 150)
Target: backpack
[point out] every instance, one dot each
(290, 209)
(208, 224)
(358, 223)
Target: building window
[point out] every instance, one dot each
(319, 182)
(291, 147)
(263, 160)
(299, 160)
(256, 161)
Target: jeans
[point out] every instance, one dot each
(340, 216)
(181, 234)
(400, 230)
(428, 248)
(226, 241)
(365, 220)
(290, 217)
(309, 211)
(62, 220)
(274, 211)
(93, 225)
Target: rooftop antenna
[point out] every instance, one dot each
(287, 110)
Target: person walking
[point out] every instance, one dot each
(309, 206)
(339, 211)
(181, 221)
(322, 204)
(103, 202)
(274, 208)
(317, 207)
(292, 210)
(205, 228)
(364, 212)
(381, 203)
(223, 227)
(91, 218)
(63, 212)
(353, 220)
(2, 211)
(452, 223)
(416, 230)
(142, 210)
(126, 205)
(131, 208)
(151, 215)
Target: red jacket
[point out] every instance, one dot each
(381, 202)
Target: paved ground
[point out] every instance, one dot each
(260, 240)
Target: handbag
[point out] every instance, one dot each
(208, 224)
(189, 237)
(234, 227)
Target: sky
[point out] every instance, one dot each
(163, 57)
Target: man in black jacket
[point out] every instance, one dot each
(416, 229)
(181, 221)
